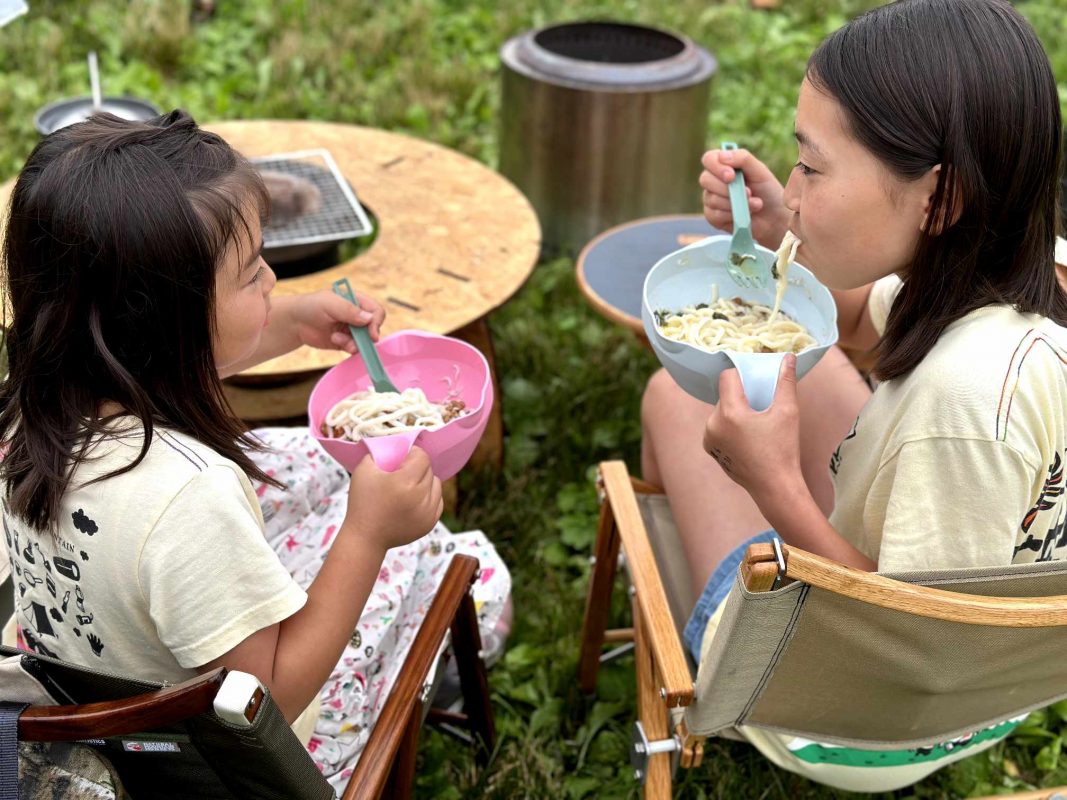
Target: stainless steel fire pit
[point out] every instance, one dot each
(603, 122)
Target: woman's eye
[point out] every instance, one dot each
(804, 168)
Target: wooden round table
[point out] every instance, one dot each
(612, 267)
(455, 240)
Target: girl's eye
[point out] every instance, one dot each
(259, 274)
(804, 168)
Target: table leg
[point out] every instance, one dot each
(490, 449)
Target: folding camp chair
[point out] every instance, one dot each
(815, 649)
(169, 743)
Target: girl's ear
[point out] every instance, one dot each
(937, 221)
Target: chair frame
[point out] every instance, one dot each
(387, 765)
(664, 683)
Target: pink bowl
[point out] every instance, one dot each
(435, 364)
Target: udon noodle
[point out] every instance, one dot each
(371, 413)
(740, 325)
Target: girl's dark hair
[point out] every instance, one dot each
(115, 233)
(967, 85)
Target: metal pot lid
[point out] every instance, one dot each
(70, 110)
(608, 56)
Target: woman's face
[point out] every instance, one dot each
(243, 283)
(857, 221)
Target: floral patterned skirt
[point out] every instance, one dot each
(301, 522)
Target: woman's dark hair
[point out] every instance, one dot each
(967, 85)
(115, 233)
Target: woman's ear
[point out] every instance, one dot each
(937, 221)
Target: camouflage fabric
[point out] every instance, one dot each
(66, 771)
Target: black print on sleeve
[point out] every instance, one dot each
(835, 459)
(1056, 535)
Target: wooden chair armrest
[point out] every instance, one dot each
(371, 774)
(142, 712)
(663, 638)
(923, 601)
(1040, 794)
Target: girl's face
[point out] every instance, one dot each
(857, 221)
(242, 296)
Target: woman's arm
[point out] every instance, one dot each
(760, 450)
(794, 515)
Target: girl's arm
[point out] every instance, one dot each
(320, 319)
(294, 658)
(761, 452)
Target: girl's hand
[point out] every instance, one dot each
(394, 508)
(321, 319)
(760, 450)
(770, 217)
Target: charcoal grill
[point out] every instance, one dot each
(309, 242)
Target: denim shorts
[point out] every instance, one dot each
(715, 591)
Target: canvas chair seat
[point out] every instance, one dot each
(818, 650)
(828, 667)
(670, 557)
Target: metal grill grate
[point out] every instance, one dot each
(340, 215)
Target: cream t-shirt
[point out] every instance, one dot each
(153, 572)
(960, 463)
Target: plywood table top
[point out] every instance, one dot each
(455, 239)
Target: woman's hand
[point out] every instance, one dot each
(770, 217)
(321, 319)
(760, 450)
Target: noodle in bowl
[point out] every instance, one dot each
(685, 278)
(446, 370)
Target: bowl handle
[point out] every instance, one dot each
(389, 452)
(759, 376)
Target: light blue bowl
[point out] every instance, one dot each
(684, 278)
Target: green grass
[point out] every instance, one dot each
(571, 382)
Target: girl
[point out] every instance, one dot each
(133, 527)
(925, 196)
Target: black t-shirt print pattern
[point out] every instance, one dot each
(50, 606)
(1050, 541)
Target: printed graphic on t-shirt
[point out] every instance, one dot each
(1031, 341)
(1042, 535)
(49, 603)
(835, 459)
(1048, 539)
